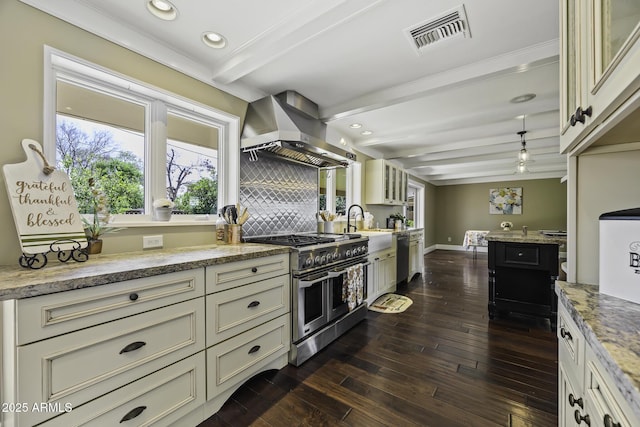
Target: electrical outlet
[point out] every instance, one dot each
(448, 239)
(149, 242)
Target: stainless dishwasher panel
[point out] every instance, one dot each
(402, 258)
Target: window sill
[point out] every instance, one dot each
(138, 221)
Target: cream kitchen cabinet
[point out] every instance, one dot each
(386, 184)
(600, 56)
(381, 274)
(416, 254)
(586, 393)
(64, 350)
(248, 323)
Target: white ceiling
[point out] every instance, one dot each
(443, 113)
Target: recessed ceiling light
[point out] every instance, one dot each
(162, 9)
(214, 40)
(523, 98)
(355, 125)
(366, 132)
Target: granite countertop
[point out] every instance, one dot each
(18, 282)
(516, 236)
(610, 326)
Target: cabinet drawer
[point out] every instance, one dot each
(238, 358)
(604, 401)
(237, 310)
(524, 255)
(529, 255)
(50, 315)
(82, 365)
(571, 347)
(160, 399)
(226, 276)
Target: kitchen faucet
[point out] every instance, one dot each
(354, 217)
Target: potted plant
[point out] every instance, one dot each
(162, 209)
(399, 220)
(506, 225)
(98, 225)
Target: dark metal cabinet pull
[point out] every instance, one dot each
(254, 269)
(133, 413)
(133, 346)
(254, 349)
(253, 304)
(580, 419)
(565, 334)
(133, 296)
(573, 401)
(608, 422)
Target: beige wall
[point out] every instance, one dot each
(606, 183)
(466, 207)
(23, 33)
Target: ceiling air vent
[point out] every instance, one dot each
(446, 26)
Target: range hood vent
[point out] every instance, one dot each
(449, 25)
(287, 125)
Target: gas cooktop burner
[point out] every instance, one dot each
(301, 240)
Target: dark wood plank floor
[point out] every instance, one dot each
(440, 363)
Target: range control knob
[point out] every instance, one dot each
(323, 260)
(308, 262)
(363, 250)
(348, 253)
(335, 256)
(317, 260)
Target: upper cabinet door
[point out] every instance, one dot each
(600, 56)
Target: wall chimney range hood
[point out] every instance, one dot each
(288, 125)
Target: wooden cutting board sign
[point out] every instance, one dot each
(43, 204)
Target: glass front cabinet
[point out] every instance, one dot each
(600, 61)
(386, 183)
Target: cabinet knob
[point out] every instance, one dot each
(579, 418)
(254, 269)
(573, 401)
(572, 120)
(133, 413)
(608, 421)
(565, 334)
(581, 114)
(133, 296)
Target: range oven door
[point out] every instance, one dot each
(309, 305)
(337, 303)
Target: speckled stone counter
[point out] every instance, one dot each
(518, 237)
(611, 327)
(17, 282)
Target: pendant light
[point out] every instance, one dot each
(523, 155)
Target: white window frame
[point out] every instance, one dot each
(418, 203)
(61, 65)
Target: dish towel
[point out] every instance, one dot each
(354, 287)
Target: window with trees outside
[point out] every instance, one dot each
(137, 145)
(332, 186)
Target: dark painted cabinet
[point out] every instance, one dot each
(522, 279)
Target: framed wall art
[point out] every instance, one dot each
(505, 201)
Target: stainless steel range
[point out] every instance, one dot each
(322, 268)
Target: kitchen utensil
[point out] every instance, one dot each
(244, 216)
(233, 214)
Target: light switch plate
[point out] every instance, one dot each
(150, 242)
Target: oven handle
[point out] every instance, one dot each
(334, 274)
(308, 283)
